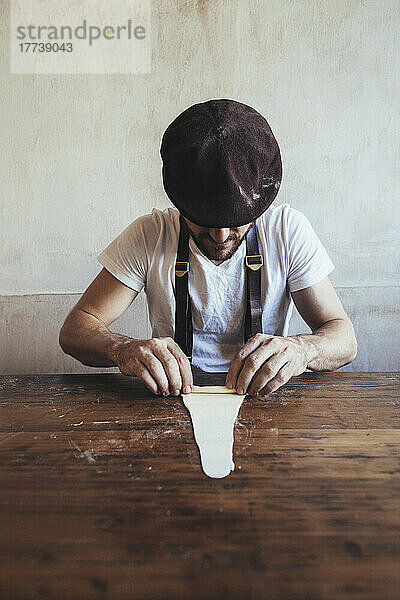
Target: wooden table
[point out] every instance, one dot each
(102, 494)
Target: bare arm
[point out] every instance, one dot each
(332, 343)
(85, 334)
(267, 362)
(159, 363)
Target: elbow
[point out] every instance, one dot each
(353, 350)
(352, 345)
(63, 338)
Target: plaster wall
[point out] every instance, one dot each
(80, 154)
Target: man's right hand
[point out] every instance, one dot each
(158, 362)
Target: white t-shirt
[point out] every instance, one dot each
(143, 257)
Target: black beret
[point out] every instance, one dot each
(221, 163)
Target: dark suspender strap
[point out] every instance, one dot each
(254, 262)
(183, 311)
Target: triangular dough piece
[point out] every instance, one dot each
(213, 410)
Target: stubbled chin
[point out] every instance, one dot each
(219, 253)
(215, 253)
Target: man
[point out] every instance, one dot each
(221, 270)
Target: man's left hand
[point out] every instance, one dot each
(266, 362)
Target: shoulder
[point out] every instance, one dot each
(155, 221)
(284, 222)
(148, 229)
(283, 214)
(279, 221)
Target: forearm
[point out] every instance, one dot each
(331, 346)
(87, 339)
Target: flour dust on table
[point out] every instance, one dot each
(213, 410)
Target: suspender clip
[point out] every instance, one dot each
(181, 268)
(254, 261)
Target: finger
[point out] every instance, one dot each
(267, 372)
(171, 368)
(143, 374)
(253, 364)
(184, 366)
(280, 379)
(156, 369)
(239, 358)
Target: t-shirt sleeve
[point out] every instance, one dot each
(307, 260)
(127, 257)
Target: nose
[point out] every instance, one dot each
(219, 235)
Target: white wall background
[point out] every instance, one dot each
(80, 156)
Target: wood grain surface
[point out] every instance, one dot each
(102, 494)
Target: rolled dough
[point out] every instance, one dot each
(213, 410)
